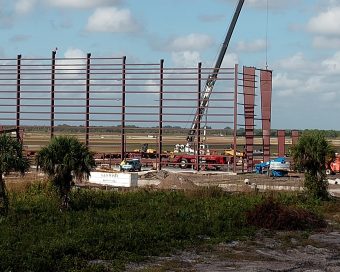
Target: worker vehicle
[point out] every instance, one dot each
(145, 151)
(278, 167)
(131, 165)
(190, 158)
(207, 162)
(334, 166)
(230, 152)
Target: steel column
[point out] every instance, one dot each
(52, 94)
(295, 137)
(249, 104)
(160, 130)
(266, 97)
(18, 94)
(123, 136)
(198, 126)
(235, 116)
(87, 115)
(281, 142)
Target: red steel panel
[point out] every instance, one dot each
(235, 116)
(295, 136)
(266, 99)
(249, 103)
(281, 142)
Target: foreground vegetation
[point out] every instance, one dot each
(103, 230)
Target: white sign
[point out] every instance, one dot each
(114, 179)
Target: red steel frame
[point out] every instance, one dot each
(266, 98)
(249, 112)
(281, 142)
(83, 94)
(295, 136)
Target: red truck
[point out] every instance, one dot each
(207, 162)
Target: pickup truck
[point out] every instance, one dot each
(131, 165)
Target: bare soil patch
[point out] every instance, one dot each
(282, 251)
(177, 181)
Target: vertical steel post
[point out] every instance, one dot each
(235, 117)
(198, 125)
(249, 113)
(295, 136)
(87, 115)
(18, 95)
(266, 98)
(123, 141)
(281, 142)
(160, 129)
(52, 94)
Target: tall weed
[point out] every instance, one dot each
(116, 227)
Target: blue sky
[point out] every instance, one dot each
(303, 42)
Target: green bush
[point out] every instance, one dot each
(116, 227)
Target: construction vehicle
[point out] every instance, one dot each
(334, 166)
(186, 160)
(145, 151)
(278, 167)
(231, 152)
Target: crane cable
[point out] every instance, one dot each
(267, 19)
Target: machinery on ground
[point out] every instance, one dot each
(190, 158)
(146, 152)
(334, 166)
(131, 165)
(278, 167)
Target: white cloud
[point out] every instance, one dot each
(73, 63)
(230, 60)
(276, 4)
(252, 46)
(74, 53)
(312, 83)
(326, 42)
(24, 6)
(332, 64)
(80, 3)
(296, 61)
(191, 42)
(111, 19)
(284, 85)
(326, 23)
(186, 58)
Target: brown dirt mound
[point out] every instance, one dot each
(272, 215)
(162, 174)
(176, 181)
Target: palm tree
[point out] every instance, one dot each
(11, 159)
(311, 154)
(64, 158)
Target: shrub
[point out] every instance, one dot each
(273, 215)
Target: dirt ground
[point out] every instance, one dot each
(284, 251)
(228, 181)
(210, 178)
(280, 251)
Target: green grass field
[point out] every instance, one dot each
(115, 228)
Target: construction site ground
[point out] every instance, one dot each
(267, 251)
(177, 179)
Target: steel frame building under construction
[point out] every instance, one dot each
(114, 106)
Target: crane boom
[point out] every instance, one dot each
(209, 85)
